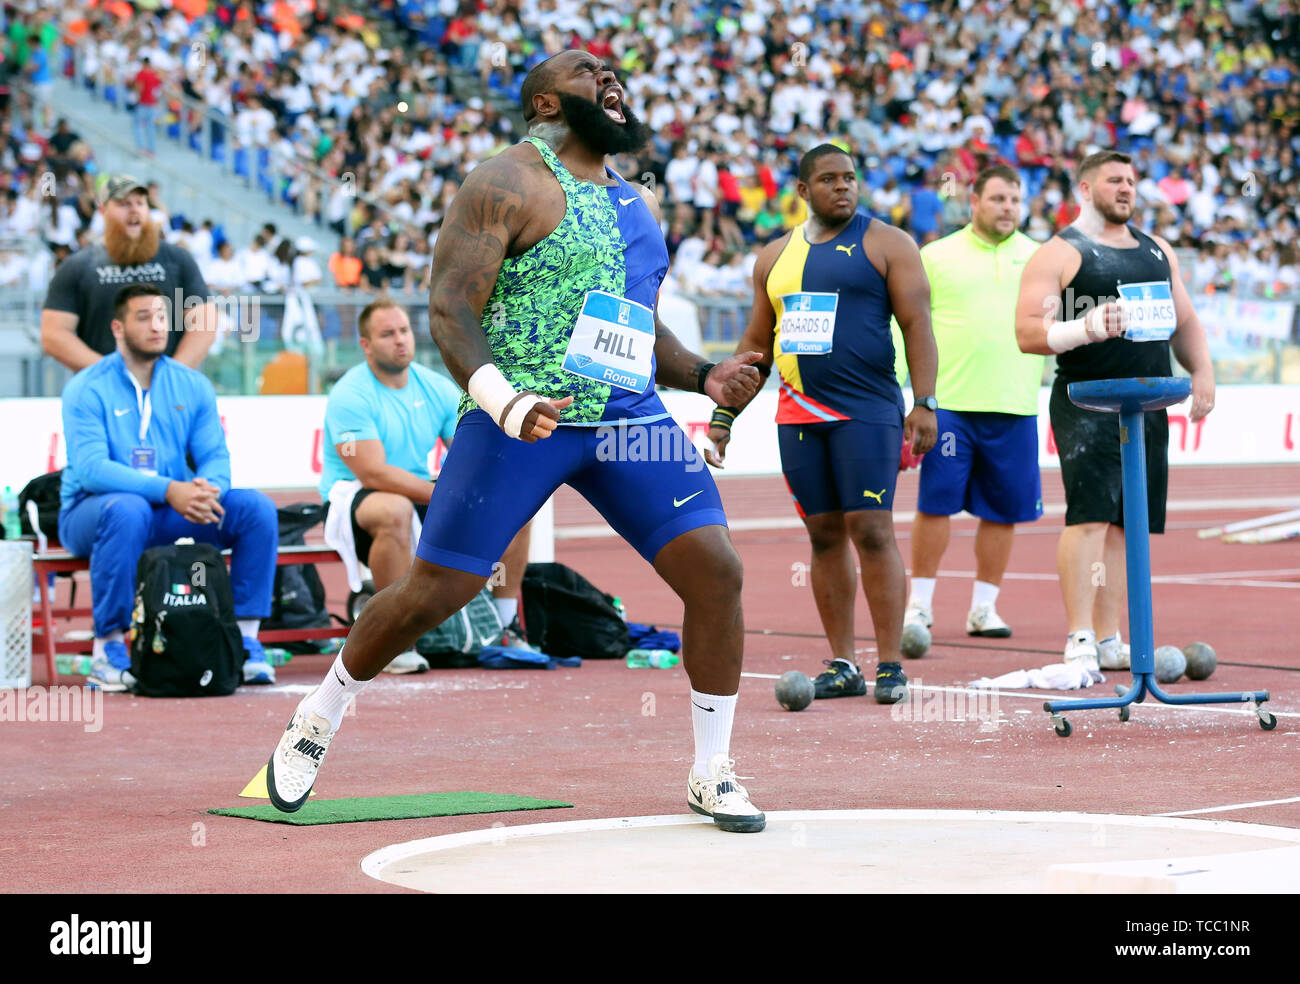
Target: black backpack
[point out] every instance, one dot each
(44, 491)
(298, 596)
(184, 638)
(455, 644)
(567, 615)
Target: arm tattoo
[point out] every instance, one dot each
(484, 217)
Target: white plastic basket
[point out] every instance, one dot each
(16, 580)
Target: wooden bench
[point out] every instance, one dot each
(60, 562)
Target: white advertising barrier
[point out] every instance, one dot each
(1241, 320)
(1249, 425)
(277, 442)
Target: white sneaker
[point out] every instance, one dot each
(983, 620)
(407, 662)
(918, 613)
(1113, 654)
(292, 769)
(721, 797)
(108, 678)
(1081, 647)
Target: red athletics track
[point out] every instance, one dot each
(116, 810)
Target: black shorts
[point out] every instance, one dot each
(361, 537)
(1088, 443)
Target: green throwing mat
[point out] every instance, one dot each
(393, 808)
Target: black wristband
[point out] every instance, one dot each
(701, 374)
(723, 417)
(763, 370)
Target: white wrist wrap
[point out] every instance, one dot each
(491, 391)
(514, 424)
(1065, 335)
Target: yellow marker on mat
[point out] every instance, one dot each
(256, 788)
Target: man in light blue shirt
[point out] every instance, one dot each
(382, 421)
(133, 422)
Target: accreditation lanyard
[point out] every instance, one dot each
(143, 459)
(143, 404)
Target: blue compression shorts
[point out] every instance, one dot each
(647, 480)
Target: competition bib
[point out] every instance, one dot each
(1150, 307)
(612, 342)
(808, 323)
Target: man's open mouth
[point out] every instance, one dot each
(612, 103)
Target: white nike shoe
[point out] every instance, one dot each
(407, 662)
(984, 620)
(1081, 647)
(1113, 654)
(293, 766)
(720, 796)
(917, 613)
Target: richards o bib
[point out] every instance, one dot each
(807, 323)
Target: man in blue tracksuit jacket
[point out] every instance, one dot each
(129, 420)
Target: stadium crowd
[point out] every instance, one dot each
(1205, 94)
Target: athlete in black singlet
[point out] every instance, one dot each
(1108, 301)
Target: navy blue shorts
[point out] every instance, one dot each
(986, 464)
(840, 465)
(647, 480)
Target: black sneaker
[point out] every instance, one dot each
(513, 637)
(840, 680)
(891, 683)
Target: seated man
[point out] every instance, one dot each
(130, 421)
(382, 420)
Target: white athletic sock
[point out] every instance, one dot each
(983, 594)
(97, 645)
(922, 591)
(248, 627)
(1114, 640)
(711, 717)
(330, 699)
(507, 608)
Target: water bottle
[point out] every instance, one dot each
(68, 664)
(660, 659)
(9, 505)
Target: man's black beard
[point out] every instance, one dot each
(140, 355)
(596, 130)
